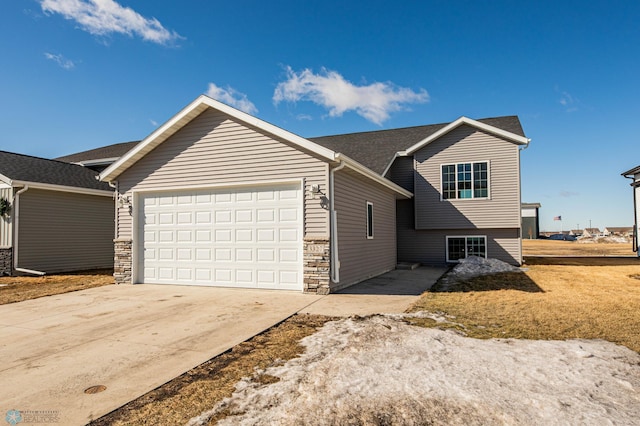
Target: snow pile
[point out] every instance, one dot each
(609, 239)
(379, 370)
(474, 266)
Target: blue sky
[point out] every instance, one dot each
(78, 74)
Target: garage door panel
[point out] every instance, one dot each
(248, 237)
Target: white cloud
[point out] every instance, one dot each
(65, 63)
(568, 101)
(232, 97)
(153, 122)
(104, 17)
(329, 89)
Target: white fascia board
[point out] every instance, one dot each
(520, 140)
(357, 167)
(63, 188)
(187, 114)
(5, 180)
(98, 161)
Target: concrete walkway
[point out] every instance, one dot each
(133, 338)
(389, 293)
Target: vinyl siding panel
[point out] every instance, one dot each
(360, 257)
(429, 246)
(401, 172)
(214, 150)
(464, 145)
(61, 231)
(6, 227)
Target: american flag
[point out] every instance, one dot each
(557, 218)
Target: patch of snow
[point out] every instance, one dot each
(473, 266)
(380, 370)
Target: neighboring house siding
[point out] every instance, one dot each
(360, 257)
(464, 145)
(6, 221)
(429, 246)
(216, 150)
(61, 231)
(401, 172)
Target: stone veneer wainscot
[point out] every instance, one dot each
(316, 265)
(122, 260)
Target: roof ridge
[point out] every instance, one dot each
(42, 158)
(411, 127)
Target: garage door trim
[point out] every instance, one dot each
(136, 207)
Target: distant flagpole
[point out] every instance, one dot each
(560, 219)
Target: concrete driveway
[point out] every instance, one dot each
(133, 338)
(130, 339)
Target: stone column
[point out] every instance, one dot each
(122, 260)
(316, 263)
(6, 261)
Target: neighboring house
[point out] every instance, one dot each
(530, 220)
(591, 232)
(57, 217)
(576, 232)
(218, 197)
(620, 231)
(99, 159)
(634, 175)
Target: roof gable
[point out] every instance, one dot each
(19, 169)
(190, 112)
(483, 126)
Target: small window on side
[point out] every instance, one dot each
(369, 220)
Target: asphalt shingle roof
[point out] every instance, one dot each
(19, 167)
(376, 149)
(116, 150)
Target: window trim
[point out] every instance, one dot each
(369, 220)
(446, 245)
(455, 165)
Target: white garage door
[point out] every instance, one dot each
(241, 237)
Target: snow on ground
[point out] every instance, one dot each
(473, 266)
(600, 239)
(379, 370)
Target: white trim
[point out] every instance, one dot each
(520, 140)
(220, 185)
(98, 161)
(386, 169)
(357, 167)
(334, 263)
(488, 197)
(5, 180)
(190, 112)
(137, 272)
(63, 188)
(446, 245)
(369, 224)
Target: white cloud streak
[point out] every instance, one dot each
(105, 17)
(375, 102)
(230, 96)
(569, 102)
(63, 62)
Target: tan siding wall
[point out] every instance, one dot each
(401, 172)
(362, 258)
(461, 145)
(429, 246)
(215, 150)
(61, 231)
(6, 221)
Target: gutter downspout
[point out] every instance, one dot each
(333, 227)
(16, 204)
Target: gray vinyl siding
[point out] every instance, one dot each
(360, 257)
(401, 172)
(464, 145)
(213, 150)
(6, 226)
(61, 231)
(429, 246)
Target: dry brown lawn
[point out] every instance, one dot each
(200, 389)
(547, 302)
(574, 248)
(17, 289)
